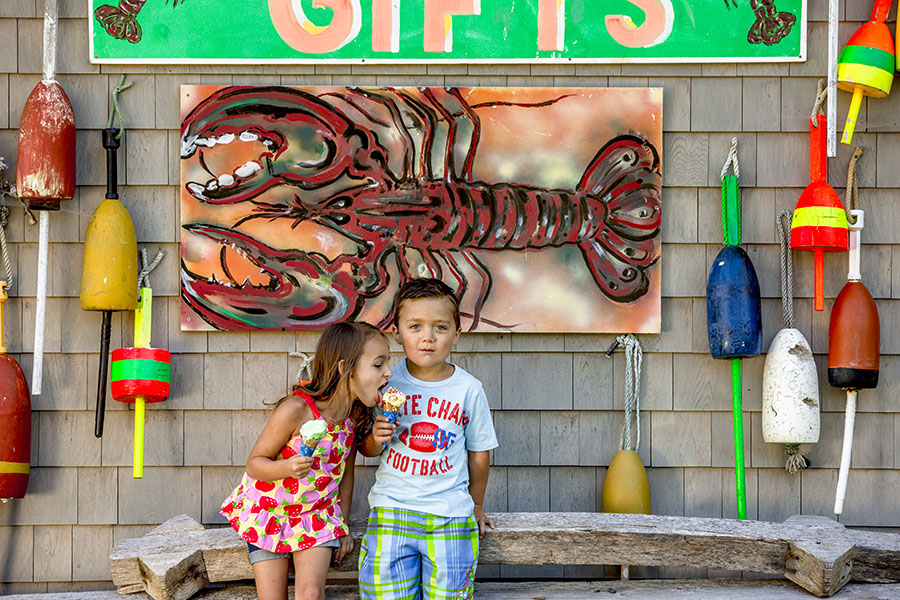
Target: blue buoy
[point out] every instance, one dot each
(732, 306)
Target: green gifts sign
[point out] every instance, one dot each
(453, 31)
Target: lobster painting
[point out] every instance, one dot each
(305, 206)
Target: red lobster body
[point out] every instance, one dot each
(613, 217)
(322, 166)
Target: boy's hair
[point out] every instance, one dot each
(339, 342)
(415, 289)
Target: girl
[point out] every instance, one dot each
(288, 504)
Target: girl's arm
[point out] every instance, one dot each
(479, 467)
(382, 432)
(345, 491)
(264, 463)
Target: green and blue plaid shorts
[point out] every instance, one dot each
(408, 555)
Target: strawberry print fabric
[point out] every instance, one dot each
(294, 514)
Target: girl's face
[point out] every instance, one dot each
(371, 371)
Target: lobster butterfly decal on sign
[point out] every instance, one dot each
(306, 206)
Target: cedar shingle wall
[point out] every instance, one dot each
(557, 399)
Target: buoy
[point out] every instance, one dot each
(790, 399)
(734, 322)
(854, 336)
(866, 64)
(819, 224)
(626, 488)
(15, 421)
(141, 374)
(45, 167)
(109, 276)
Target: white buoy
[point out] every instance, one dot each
(790, 397)
(790, 413)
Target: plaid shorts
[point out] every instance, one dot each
(408, 555)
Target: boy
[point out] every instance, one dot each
(426, 505)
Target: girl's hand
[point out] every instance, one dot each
(382, 430)
(484, 521)
(345, 548)
(297, 466)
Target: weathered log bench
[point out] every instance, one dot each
(180, 557)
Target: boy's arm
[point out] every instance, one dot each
(479, 467)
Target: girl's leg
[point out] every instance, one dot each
(310, 571)
(271, 578)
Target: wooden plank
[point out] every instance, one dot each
(815, 552)
(671, 589)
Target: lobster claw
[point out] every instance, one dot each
(305, 142)
(297, 290)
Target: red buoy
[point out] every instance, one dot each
(45, 164)
(15, 421)
(819, 224)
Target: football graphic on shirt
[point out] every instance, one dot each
(419, 437)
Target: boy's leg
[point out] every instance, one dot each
(310, 570)
(450, 557)
(389, 561)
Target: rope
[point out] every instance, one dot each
(633, 358)
(114, 110)
(144, 275)
(732, 160)
(851, 197)
(4, 216)
(5, 190)
(305, 366)
(795, 461)
(817, 106)
(783, 224)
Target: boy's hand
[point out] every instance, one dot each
(297, 466)
(343, 550)
(382, 430)
(483, 520)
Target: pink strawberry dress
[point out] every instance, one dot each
(295, 514)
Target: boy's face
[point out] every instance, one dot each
(427, 331)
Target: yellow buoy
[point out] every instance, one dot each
(109, 273)
(626, 488)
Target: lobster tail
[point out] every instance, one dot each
(625, 176)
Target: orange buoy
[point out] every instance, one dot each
(866, 64)
(15, 421)
(819, 223)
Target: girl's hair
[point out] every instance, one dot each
(340, 342)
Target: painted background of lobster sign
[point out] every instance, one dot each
(304, 206)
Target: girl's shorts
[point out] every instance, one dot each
(257, 554)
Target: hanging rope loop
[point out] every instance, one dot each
(783, 224)
(5, 190)
(732, 159)
(731, 199)
(851, 196)
(633, 359)
(144, 275)
(821, 95)
(305, 366)
(114, 109)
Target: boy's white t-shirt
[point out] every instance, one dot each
(425, 466)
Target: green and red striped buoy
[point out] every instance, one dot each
(140, 374)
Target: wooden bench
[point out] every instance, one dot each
(180, 557)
